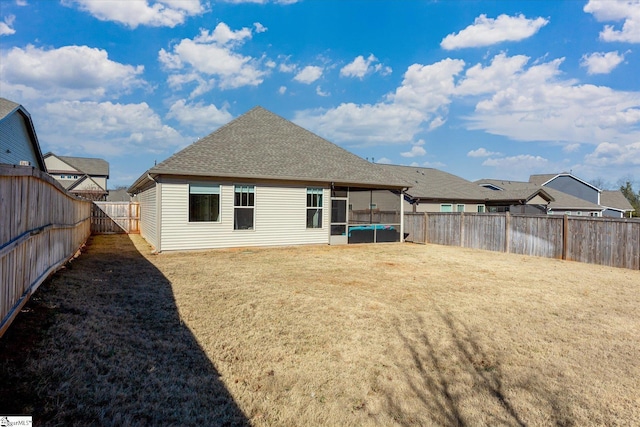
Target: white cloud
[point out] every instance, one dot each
(259, 27)
(534, 104)
(619, 155)
(200, 118)
(416, 151)
(69, 72)
(6, 27)
(617, 10)
(211, 59)
(364, 124)
(487, 31)
(384, 161)
(526, 161)
(600, 62)
(360, 67)
(482, 152)
(282, 90)
(478, 79)
(103, 128)
(421, 99)
(159, 13)
(309, 74)
(571, 148)
(320, 92)
(21, 2)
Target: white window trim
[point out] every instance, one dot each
(208, 184)
(255, 197)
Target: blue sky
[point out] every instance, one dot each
(481, 89)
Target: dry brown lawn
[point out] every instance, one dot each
(389, 334)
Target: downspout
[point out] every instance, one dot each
(402, 214)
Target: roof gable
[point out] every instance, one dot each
(8, 108)
(544, 179)
(263, 145)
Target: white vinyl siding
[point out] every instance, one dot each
(280, 219)
(16, 145)
(148, 220)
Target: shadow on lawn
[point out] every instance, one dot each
(459, 383)
(102, 342)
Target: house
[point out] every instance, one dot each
(83, 176)
(118, 195)
(615, 204)
(18, 140)
(261, 180)
(433, 190)
(568, 184)
(560, 203)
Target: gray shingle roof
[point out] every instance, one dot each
(615, 199)
(7, 107)
(429, 183)
(263, 145)
(88, 165)
(560, 200)
(542, 178)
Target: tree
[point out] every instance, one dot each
(632, 196)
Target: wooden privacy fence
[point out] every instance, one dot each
(115, 217)
(41, 227)
(606, 241)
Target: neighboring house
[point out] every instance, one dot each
(568, 184)
(18, 140)
(615, 204)
(559, 203)
(433, 190)
(261, 180)
(83, 176)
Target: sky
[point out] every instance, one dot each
(481, 89)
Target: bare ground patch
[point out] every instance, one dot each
(356, 335)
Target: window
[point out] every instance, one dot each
(204, 203)
(314, 207)
(244, 202)
(480, 208)
(446, 208)
(460, 208)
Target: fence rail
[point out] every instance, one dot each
(115, 217)
(41, 227)
(606, 241)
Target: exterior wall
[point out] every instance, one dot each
(576, 212)
(148, 213)
(578, 189)
(435, 207)
(279, 218)
(88, 185)
(14, 137)
(612, 213)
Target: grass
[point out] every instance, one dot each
(392, 334)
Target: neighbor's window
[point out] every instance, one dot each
(480, 208)
(446, 208)
(204, 203)
(314, 207)
(460, 208)
(244, 202)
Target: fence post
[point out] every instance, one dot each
(507, 228)
(426, 227)
(462, 229)
(565, 235)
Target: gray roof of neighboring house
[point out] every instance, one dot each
(515, 190)
(118, 195)
(262, 145)
(6, 108)
(615, 199)
(88, 165)
(560, 200)
(429, 183)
